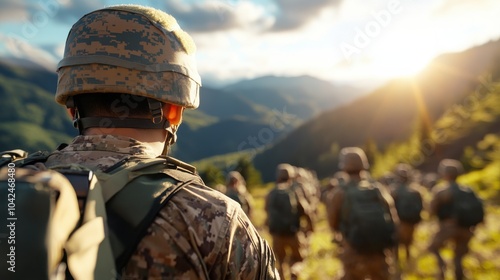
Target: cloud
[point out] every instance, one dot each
(64, 11)
(23, 50)
(13, 10)
(452, 6)
(217, 15)
(71, 11)
(293, 14)
(223, 15)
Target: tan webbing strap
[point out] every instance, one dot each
(89, 245)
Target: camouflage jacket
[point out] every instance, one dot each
(199, 234)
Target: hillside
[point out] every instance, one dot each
(223, 123)
(28, 109)
(303, 96)
(387, 115)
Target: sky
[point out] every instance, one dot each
(342, 41)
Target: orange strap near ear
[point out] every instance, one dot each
(174, 114)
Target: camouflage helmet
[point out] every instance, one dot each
(234, 177)
(129, 49)
(450, 168)
(403, 170)
(285, 172)
(352, 160)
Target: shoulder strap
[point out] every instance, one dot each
(130, 234)
(7, 157)
(22, 158)
(135, 192)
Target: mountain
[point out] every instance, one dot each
(226, 121)
(387, 115)
(30, 118)
(303, 96)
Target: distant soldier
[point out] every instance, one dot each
(459, 211)
(339, 178)
(429, 180)
(236, 189)
(285, 208)
(364, 215)
(409, 205)
(304, 184)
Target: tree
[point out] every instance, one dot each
(212, 175)
(247, 170)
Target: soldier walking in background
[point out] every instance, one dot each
(363, 214)
(459, 211)
(409, 205)
(285, 208)
(236, 189)
(339, 178)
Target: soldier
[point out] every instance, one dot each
(444, 205)
(339, 178)
(409, 204)
(127, 75)
(306, 187)
(364, 251)
(285, 207)
(236, 189)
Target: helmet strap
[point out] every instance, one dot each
(157, 121)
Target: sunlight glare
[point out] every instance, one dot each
(402, 56)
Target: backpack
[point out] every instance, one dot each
(76, 223)
(468, 209)
(366, 222)
(408, 205)
(283, 211)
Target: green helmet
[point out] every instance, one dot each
(129, 49)
(352, 160)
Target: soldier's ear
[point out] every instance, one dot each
(174, 113)
(71, 112)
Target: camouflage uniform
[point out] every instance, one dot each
(356, 265)
(198, 234)
(290, 248)
(449, 230)
(236, 189)
(404, 183)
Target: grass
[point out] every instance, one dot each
(482, 262)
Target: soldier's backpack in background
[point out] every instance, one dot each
(366, 222)
(283, 211)
(468, 209)
(89, 223)
(409, 204)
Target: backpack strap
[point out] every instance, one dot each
(7, 157)
(134, 193)
(21, 158)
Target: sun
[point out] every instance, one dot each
(401, 56)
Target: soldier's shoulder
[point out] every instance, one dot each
(441, 189)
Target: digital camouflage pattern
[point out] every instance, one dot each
(199, 234)
(154, 57)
